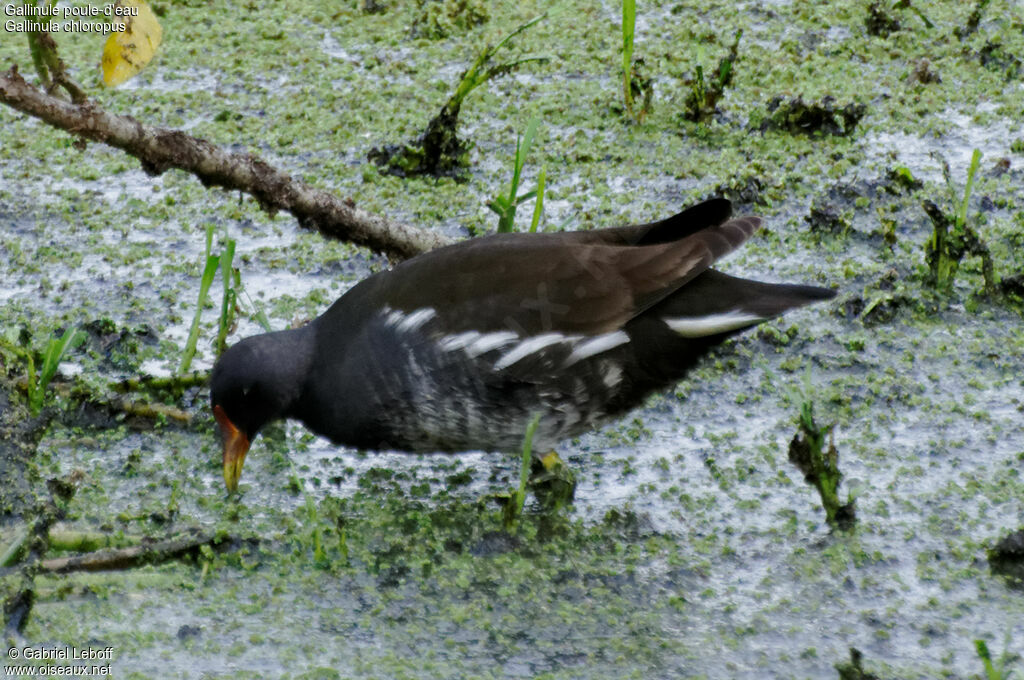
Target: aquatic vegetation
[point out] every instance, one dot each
(996, 56)
(438, 19)
(227, 308)
(1006, 557)
(854, 670)
(820, 464)
(212, 262)
(553, 483)
(997, 669)
(973, 20)
(315, 532)
(439, 151)
(538, 206)
(952, 237)
(900, 178)
(702, 100)
(233, 289)
(881, 21)
(505, 206)
(826, 218)
(635, 85)
(796, 116)
(628, 32)
(52, 355)
(513, 508)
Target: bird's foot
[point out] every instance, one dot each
(551, 481)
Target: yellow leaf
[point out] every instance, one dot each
(126, 53)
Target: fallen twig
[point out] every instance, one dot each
(126, 558)
(18, 604)
(174, 383)
(115, 404)
(64, 538)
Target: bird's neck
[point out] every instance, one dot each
(290, 358)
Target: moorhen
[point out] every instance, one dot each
(457, 349)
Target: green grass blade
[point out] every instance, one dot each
(505, 207)
(628, 34)
(986, 659)
(475, 76)
(523, 198)
(15, 549)
(961, 216)
(499, 205)
(519, 29)
(55, 350)
(227, 303)
(257, 309)
(522, 148)
(524, 469)
(506, 222)
(209, 272)
(517, 167)
(538, 207)
(531, 132)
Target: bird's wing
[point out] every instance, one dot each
(544, 284)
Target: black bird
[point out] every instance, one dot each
(457, 349)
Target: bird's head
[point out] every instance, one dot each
(253, 383)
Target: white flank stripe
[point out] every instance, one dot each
(611, 374)
(490, 341)
(416, 319)
(528, 347)
(701, 326)
(596, 345)
(450, 343)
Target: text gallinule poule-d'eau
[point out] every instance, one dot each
(457, 349)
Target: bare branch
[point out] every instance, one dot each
(160, 149)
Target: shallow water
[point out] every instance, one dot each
(693, 548)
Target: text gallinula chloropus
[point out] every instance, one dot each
(459, 348)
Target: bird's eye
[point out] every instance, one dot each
(246, 390)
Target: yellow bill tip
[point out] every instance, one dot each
(236, 445)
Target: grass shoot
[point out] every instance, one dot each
(505, 206)
(513, 509)
(439, 151)
(52, 355)
(702, 100)
(212, 262)
(634, 84)
(228, 304)
(952, 237)
(232, 292)
(628, 32)
(819, 462)
(997, 669)
(538, 206)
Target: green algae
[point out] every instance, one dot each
(922, 386)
